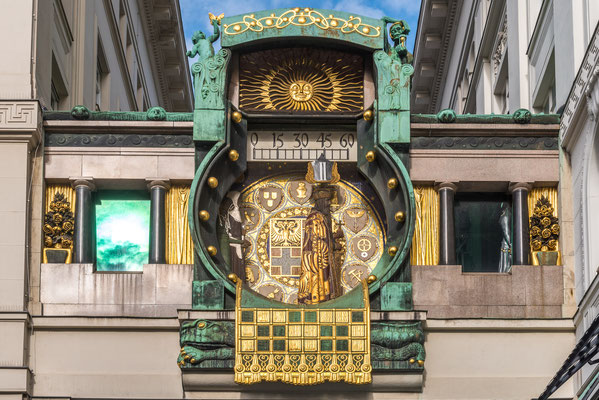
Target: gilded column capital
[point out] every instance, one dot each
(85, 181)
(446, 185)
(163, 183)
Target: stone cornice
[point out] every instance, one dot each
(158, 52)
(581, 93)
(20, 121)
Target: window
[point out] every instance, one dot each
(54, 97)
(483, 231)
(122, 230)
(139, 95)
(102, 80)
(58, 90)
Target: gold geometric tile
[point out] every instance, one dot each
(311, 330)
(341, 316)
(248, 330)
(247, 345)
(263, 316)
(310, 345)
(358, 345)
(358, 330)
(295, 330)
(295, 345)
(279, 316)
(326, 316)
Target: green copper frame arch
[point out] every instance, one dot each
(217, 134)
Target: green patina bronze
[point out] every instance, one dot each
(396, 296)
(82, 113)
(207, 344)
(393, 94)
(521, 117)
(156, 114)
(446, 116)
(209, 75)
(304, 23)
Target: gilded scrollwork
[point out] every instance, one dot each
(302, 17)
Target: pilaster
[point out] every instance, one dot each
(20, 141)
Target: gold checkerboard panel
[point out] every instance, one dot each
(303, 346)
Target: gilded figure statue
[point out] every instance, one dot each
(320, 268)
(319, 279)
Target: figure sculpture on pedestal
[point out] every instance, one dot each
(320, 273)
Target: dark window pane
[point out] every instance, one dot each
(480, 240)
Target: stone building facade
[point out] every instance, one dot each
(83, 328)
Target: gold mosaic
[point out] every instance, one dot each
(302, 346)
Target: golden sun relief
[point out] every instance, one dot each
(301, 79)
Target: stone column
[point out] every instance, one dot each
(447, 254)
(521, 237)
(158, 188)
(82, 242)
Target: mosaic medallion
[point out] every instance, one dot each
(274, 211)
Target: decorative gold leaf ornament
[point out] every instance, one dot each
(302, 17)
(544, 227)
(301, 79)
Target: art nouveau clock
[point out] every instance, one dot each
(302, 209)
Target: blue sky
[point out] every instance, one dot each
(195, 12)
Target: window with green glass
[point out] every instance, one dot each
(122, 222)
(483, 231)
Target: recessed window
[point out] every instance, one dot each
(102, 80)
(483, 231)
(122, 221)
(58, 90)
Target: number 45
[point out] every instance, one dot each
(324, 140)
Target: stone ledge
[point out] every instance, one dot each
(210, 385)
(444, 291)
(76, 290)
(495, 325)
(105, 323)
(14, 380)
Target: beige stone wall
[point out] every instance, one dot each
(485, 169)
(495, 359)
(106, 358)
(466, 359)
(76, 290)
(444, 291)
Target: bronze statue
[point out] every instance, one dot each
(201, 45)
(399, 32)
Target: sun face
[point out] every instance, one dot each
(301, 80)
